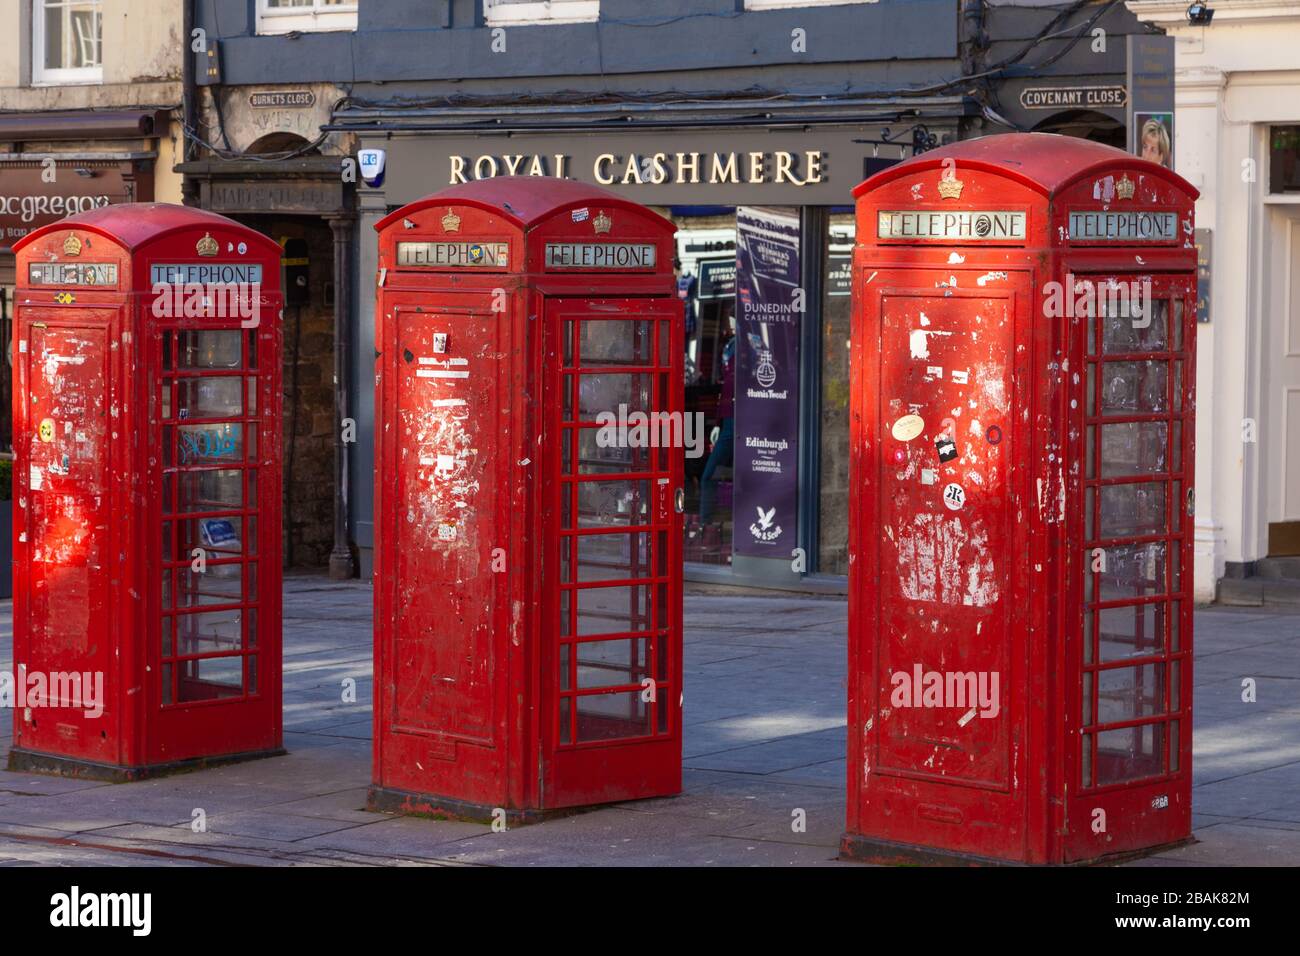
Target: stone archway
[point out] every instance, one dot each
(1086, 124)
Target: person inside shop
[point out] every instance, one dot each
(724, 444)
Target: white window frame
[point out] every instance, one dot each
(497, 13)
(784, 4)
(61, 76)
(318, 18)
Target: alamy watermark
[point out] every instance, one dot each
(211, 300)
(624, 429)
(83, 690)
(975, 692)
(1073, 298)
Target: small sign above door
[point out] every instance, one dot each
(282, 99)
(1073, 97)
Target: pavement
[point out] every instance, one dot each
(764, 737)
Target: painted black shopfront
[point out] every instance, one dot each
(763, 232)
(749, 127)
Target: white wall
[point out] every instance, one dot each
(1234, 77)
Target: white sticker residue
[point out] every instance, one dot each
(920, 348)
(919, 341)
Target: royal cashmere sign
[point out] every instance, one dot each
(756, 168)
(722, 166)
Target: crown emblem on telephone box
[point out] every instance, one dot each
(451, 222)
(1124, 188)
(950, 188)
(602, 222)
(72, 246)
(207, 246)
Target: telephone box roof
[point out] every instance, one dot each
(518, 198)
(1046, 162)
(131, 225)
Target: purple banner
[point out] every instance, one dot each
(769, 311)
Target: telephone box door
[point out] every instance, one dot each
(944, 488)
(219, 578)
(613, 649)
(67, 369)
(1132, 710)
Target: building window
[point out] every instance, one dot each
(782, 4)
(66, 42)
(301, 16)
(501, 12)
(1284, 159)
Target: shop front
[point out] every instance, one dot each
(764, 229)
(59, 164)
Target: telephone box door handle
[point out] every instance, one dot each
(679, 500)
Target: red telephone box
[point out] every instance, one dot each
(528, 565)
(147, 492)
(1020, 634)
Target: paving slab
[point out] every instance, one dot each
(764, 770)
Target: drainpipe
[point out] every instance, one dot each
(187, 94)
(341, 564)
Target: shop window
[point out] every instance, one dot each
(706, 284)
(836, 308)
(294, 16)
(1284, 159)
(66, 38)
(501, 12)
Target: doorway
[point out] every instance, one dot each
(1280, 432)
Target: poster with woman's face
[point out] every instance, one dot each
(1155, 137)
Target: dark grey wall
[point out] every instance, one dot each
(443, 46)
